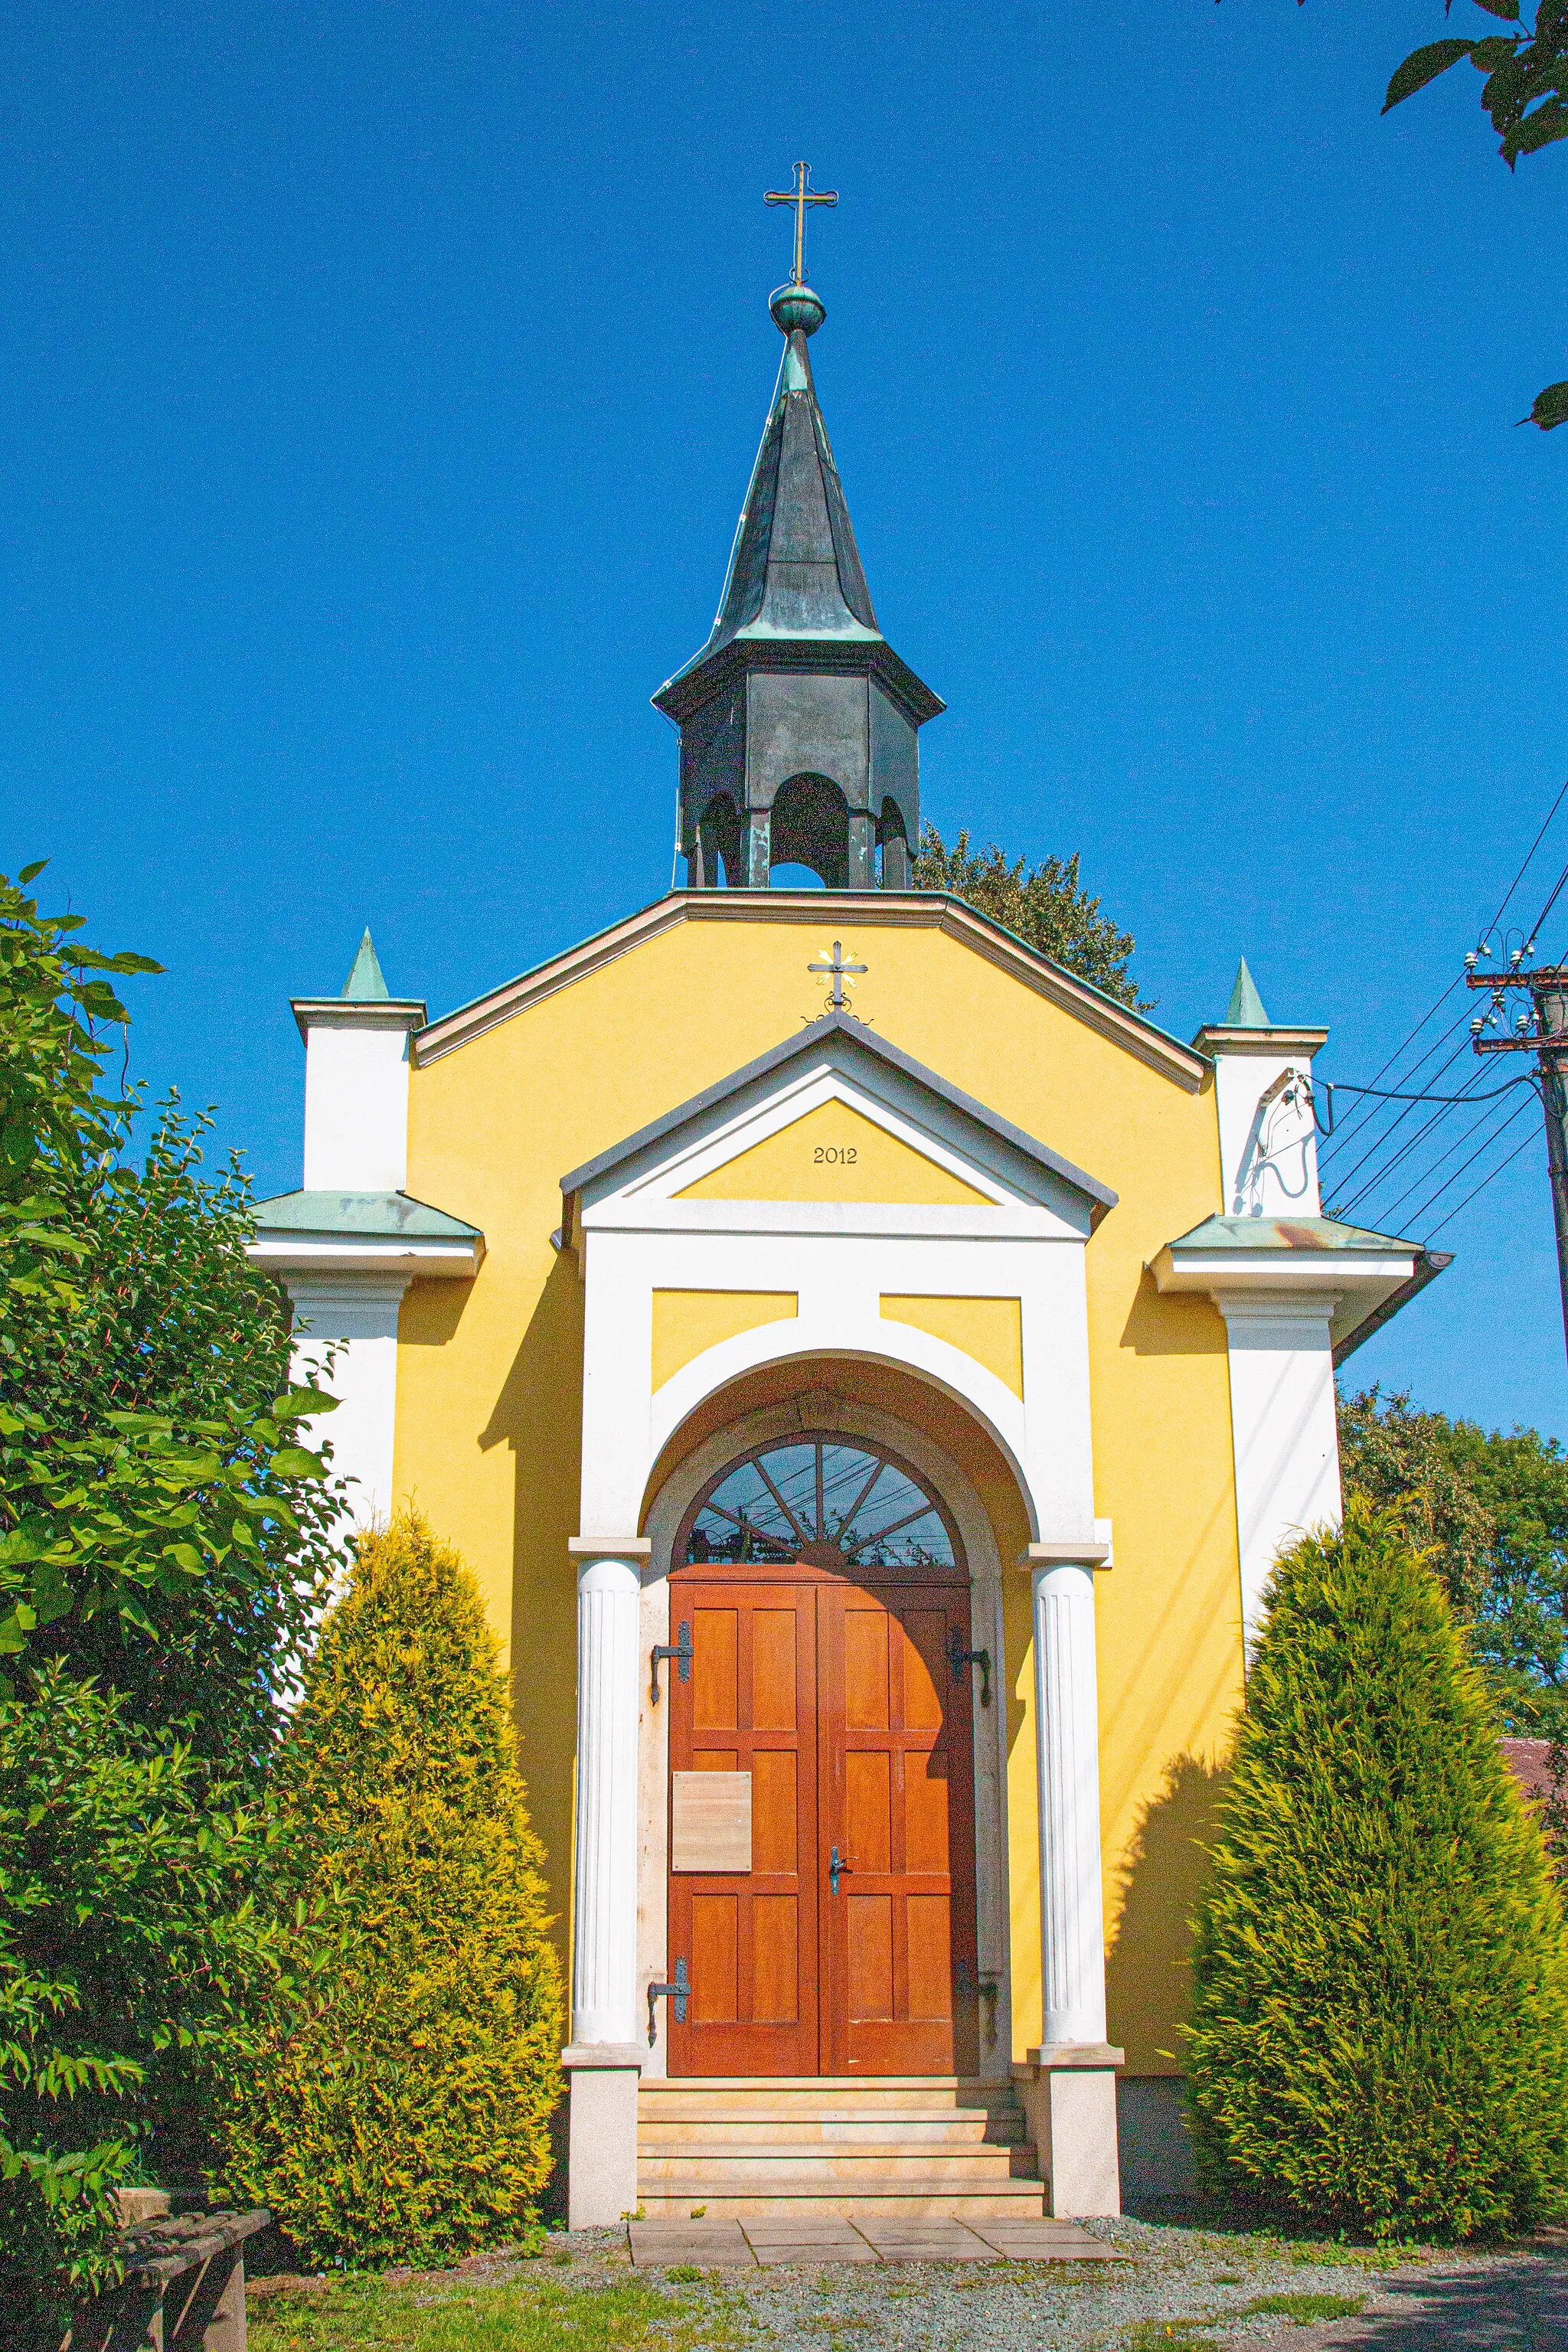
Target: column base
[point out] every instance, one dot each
(1068, 2091)
(602, 2133)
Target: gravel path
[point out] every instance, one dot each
(1184, 2290)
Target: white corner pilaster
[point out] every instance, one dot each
(355, 1317)
(1283, 1428)
(1068, 2085)
(605, 2056)
(356, 1092)
(1267, 1134)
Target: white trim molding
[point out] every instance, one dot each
(1283, 1429)
(355, 1318)
(871, 911)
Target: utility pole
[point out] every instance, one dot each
(1543, 1033)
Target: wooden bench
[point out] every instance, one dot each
(183, 2288)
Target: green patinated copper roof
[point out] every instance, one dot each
(391, 1217)
(1244, 1010)
(365, 985)
(795, 575)
(1288, 1233)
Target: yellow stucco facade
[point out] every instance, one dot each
(489, 1393)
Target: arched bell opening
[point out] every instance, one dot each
(716, 855)
(893, 844)
(811, 827)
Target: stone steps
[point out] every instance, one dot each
(899, 2147)
(941, 2134)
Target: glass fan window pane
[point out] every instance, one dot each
(924, 1543)
(846, 1472)
(793, 1469)
(765, 1508)
(893, 1498)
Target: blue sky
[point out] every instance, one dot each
(378, 385)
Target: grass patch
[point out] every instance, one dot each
(1198, 2335)
(1309, 2309)
(363, 2315)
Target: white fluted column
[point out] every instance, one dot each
(605, 1954)
(604, 2058)
(1070, 2091)
(1066, 1756)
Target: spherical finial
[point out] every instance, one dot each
(793, 306)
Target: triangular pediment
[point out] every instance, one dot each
(834, 1152)
(835, 1121)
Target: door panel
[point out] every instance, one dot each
(754, 2007)
(896, 1777)
(839, 1701)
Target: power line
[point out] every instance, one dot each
(1528, 853)
(1499, 1129)
(1355, 1125)
(1557, 893)
(1412, 1143)
(1448, 1218)
(1359, 1120)
(1368, 1126)
(1331, 1087)
(1416, 1180)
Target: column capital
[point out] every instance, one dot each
(1083, 1551)
(609, 1546)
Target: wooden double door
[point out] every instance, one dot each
(848, 1947)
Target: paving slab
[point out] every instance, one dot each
(808, 2237)
(924, 2239)
(717, 2245)
(1046, 2241)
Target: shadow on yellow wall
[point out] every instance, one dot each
(1147, 1966)
(537, 1414)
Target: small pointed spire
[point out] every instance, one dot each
(365, 983)
(1246, 1008)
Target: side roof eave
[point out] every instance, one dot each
(921, 909)
(339, 1209)
(857, 1039)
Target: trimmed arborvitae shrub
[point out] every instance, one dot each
(401, 2109)
(1380, 2031)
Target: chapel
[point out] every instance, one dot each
(872, 1413)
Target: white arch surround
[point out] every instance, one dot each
(667, 1510)
(859, 1340)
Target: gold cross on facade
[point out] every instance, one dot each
(800, 196)
(838, 1001)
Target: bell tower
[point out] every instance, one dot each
(799, 722)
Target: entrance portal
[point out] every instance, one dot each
(822, 1898)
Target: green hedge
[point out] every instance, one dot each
(1380, 2035)
(401, 2112)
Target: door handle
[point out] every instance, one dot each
(676, 1994)
(680, 1650)
(835, 1869)
(958, 1657)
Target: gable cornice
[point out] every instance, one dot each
(836, 1038)
(885, 910)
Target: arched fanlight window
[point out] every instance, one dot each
(830, 1502)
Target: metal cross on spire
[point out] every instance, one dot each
(800, 196)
